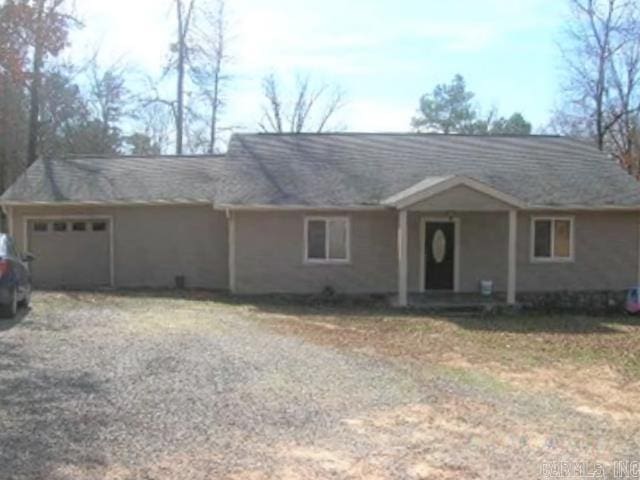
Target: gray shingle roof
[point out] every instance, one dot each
(338, 170)
(357, 169)
(101, 179)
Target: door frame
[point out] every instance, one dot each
(109, 219)
(456, 249)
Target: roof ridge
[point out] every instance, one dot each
(118, 157)
(405, 134)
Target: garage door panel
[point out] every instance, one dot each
(70, 253)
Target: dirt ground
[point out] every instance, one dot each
(152, 385)
(592, 361)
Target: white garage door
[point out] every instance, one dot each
(72, 253)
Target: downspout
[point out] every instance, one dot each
(231, 227)
(638, 252)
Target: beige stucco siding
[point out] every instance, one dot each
(483, 250)
(606, 254)
(460, 198)
(605, 243)
(270, 254)
(154, 244)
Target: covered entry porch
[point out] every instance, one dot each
(454, 233)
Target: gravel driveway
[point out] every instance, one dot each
(128, 387)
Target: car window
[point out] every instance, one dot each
(7, 247)
(11, 248)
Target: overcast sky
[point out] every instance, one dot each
(383, 53)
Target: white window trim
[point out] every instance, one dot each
(326, 261)
(552, 258)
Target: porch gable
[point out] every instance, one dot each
(460, 198)
(451, 193)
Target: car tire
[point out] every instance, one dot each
(9, 310)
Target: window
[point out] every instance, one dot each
(99, 226)
(79, 226)
(552, 239)
(11, 249)
(40, 227)
(59, 226)
(327, 239)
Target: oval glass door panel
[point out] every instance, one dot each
(439, 246)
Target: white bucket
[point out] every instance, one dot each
(486, 287)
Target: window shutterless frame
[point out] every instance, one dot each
(327, 260)
(552, 258)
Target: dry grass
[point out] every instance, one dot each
(594, 361)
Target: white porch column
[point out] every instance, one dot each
(231, 219)
(513, 241)
(402, 259)
(9, 216)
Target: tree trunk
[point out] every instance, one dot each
(180, 86)
(214, 110)
(212, 133)
(36, 84)
(604, 44)
(180, 107)
(599, 94)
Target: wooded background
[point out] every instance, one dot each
(50, 107)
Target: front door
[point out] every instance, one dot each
(439, 255)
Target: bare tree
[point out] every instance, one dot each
(154, 117)
(184, 16)
(156, 123)
(108, 92)
(13, 130)
(273, 110)
(311, 109)
(601, 59)
(46, 31)
(36, 84)
(625, 78)
(210, 60)
(107, 98)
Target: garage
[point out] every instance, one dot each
(70, 252)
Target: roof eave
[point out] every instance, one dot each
(582, 207)
(88, 203)
(264, 207)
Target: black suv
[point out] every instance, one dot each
(15, 279)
